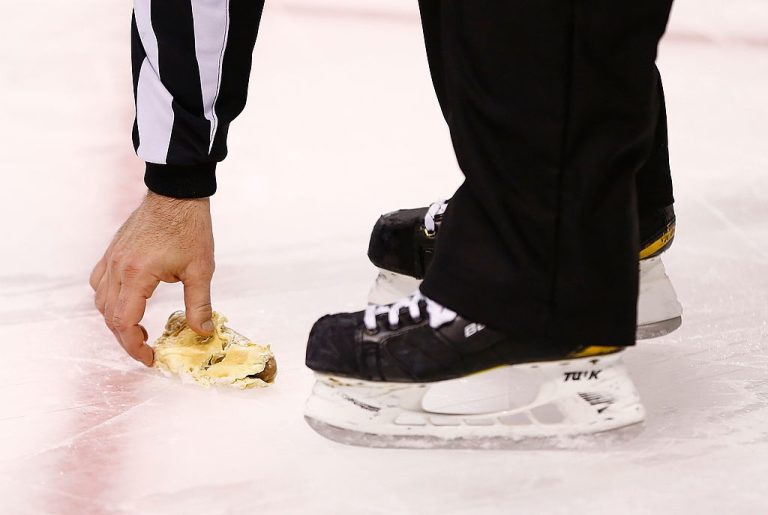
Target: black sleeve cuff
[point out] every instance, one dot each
(195, 181)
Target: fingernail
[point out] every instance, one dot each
(208, 326)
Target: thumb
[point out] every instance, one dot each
(197, 300)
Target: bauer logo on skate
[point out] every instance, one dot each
(472, 329)
(578, 376)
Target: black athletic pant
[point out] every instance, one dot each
(554, 106)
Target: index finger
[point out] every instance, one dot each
(131, 304)
(97, 273)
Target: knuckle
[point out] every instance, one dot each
(93, 279)
(118, 324)
(202, 273)
(132, 270)
(204, 267)
(204, 308)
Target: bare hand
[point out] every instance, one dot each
(166, 240)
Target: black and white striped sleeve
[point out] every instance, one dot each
(191, 65)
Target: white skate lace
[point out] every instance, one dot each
(435, 209)
(438, 315)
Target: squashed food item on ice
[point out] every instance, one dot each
(227, 358)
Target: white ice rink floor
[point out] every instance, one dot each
(341, 118)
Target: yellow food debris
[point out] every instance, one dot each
(227, 358)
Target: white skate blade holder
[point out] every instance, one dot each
(497, 408)
(658, 310)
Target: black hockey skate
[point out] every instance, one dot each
(403, 243)
(415, 374)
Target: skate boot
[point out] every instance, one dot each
(403, 242)
(415, 374)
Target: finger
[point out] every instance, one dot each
(100, 299)
(112, 292)
(197, 299)
(97, 273)
(101, 267)
(131, 304)
(101, 304)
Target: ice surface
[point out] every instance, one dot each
(341, 115)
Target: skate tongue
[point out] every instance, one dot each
(501, 389)
(438, 315)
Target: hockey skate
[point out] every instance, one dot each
(403, 242)
(415, 374)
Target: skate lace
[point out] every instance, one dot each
(435, 209)
(438, 315)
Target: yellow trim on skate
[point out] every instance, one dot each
(594, 350)
(656, 246)
(587, 352)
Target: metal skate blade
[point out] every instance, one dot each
(657, 329)
(603, 439)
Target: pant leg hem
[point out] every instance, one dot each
(529, 319)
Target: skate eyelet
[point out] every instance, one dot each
(371, 332)
(429, 234)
